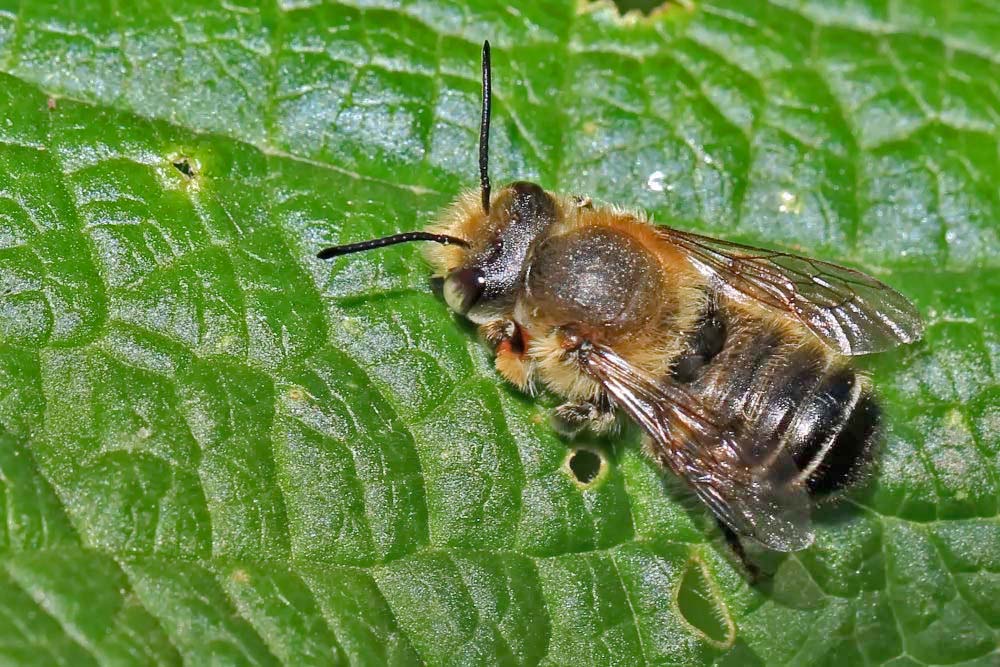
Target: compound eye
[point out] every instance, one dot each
(462, 289)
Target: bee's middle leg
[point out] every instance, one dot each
(599, 416)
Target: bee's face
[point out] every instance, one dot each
(492, 269)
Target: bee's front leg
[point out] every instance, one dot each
(510, 342)
(495, 332)
(599, 416)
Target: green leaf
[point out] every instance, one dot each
(214, 447)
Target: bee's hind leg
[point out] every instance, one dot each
(571, 418)
(734, 542)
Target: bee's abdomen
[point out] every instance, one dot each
(784, 398)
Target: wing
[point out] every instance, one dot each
(757, 499)
(849, 310)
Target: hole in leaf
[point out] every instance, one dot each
(701, 607)
(644, 6)
(585, 465)
(184, 166)
(649, 7)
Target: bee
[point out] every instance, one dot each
(732, 359)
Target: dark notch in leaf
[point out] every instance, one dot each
(183, 165)
(650, 7)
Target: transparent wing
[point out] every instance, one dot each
(849, 310)
(758, 499)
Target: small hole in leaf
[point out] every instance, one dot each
(240, 576)
(184, 166)
(585, 465)
(701, 607)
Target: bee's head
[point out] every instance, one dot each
(483, 264)
(481, 279)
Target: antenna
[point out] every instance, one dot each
(484, 130)
(484, 180)
(361, 246)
